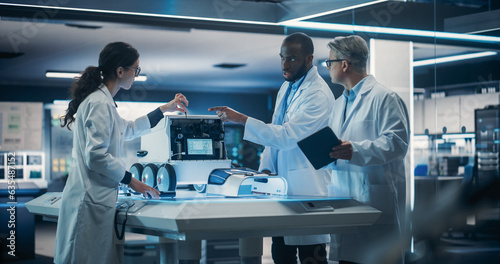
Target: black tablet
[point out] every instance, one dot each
(318, 146)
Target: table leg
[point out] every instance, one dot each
(189, 252)
(251, 250)
(168, 251)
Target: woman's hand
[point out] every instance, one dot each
(145, 189)
(179, 103)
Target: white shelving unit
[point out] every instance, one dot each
(452, 113)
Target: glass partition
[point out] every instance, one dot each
(454, 72)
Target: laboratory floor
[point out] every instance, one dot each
(453, 248)
(45, 233)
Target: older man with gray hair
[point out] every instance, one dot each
(372, 123)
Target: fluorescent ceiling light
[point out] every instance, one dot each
(62, 75)
(61, 102)
(295, 23)
(446, 59)
(392, 31)
(459, 136)
(453, 58)
(145, 14)
(141, 78)
(73, 75)
(332, 11)
(199, 18)
(421, 137)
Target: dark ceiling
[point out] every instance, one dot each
(181, 41)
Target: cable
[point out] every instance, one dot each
(118, 235)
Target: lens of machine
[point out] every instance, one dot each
(167, 179)
(136, 170)
(149, 174)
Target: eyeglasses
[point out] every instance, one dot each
(136, 70)
(329, 62)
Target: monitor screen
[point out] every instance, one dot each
(198, 146)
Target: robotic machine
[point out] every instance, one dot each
(185, 150)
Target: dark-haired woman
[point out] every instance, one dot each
(85, 231)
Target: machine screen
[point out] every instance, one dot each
(198, 146)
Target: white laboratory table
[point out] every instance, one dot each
(191, 217)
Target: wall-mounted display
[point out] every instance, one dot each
(21, 126)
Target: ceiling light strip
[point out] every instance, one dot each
(297, 24)
(63, 75)
(453, 58)
(332, 11)
(484, 30)
(144, 14)
(73, 75)
(393, 31)
(458, 136)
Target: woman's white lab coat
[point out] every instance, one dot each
(307, 113)
(378, 129)
(85, 231)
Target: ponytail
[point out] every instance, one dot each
(85, 85)
(114, 55)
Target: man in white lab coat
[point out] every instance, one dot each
(372, 123)
(303, 105)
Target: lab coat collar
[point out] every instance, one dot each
(298, 83)
(361, 89)
(366, 84)
(306, 82)
(309, 77)
(352, 93)
(105, 90)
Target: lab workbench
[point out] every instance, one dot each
(191, 217)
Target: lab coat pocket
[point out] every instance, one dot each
(361, 130)
(308, 181)
(104, 190)
(337, 186)
(95, 233)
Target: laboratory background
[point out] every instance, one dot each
(440, 56)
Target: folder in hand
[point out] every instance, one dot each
(318, 146)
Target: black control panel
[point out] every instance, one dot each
(197, 139)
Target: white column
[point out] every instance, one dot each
(391, 63)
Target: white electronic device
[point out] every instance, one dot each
(181, 150)
(244, 182)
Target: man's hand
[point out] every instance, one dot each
(342, 151)
(179, 103)
(145, 189)
(227, 114)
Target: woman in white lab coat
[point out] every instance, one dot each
(85, 230)
(372, 123)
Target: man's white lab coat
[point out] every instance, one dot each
(377, 125)
(307, 113)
